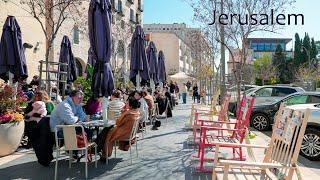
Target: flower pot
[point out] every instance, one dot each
(10, 137)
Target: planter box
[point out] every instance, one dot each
(10, 137)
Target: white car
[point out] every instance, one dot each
(311, 141)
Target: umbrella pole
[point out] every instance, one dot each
(105, 103)
(138, 81)
(152, 85)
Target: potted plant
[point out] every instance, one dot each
(11, 118)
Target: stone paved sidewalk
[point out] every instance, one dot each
(163, 154)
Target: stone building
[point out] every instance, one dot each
(126, 13)
(184, 47)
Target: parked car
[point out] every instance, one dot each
(262, 115)
(268, 94)
(311, 141)
(243, 88)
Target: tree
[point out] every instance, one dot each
(236, 34)
(122, 33)
(297, 50)
(263, 68)
(281, 63)
(306, 50)
(313, 53)
(51, 15)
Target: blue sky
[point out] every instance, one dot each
(170, 11)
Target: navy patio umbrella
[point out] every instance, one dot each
(153, 62)
(66, 56)
(12, 57)
(139, 65)
(161, 67)
(101, 43)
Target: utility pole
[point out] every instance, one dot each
(222, 60)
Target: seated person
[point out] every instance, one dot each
(39, 107)
(116, 105)
(138, 95)
(69, 112)
(94, 108)
(122, 129)
(149, 99)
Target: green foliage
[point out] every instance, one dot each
(283, 66)
(85, 83)
(263, 68)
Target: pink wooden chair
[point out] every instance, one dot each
(237, 134)
(211, 120)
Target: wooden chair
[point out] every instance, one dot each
(237, 134)
(280, 161)
(70, 144)
(211, 120)
(212, 109)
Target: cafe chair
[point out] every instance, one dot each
(70, 144)
(133, 137)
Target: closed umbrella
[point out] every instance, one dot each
(161, 67)
(66, 56)
(101, 43)
(12, 57)
(153, 62)
(139, 66)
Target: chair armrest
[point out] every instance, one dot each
(252, 164)
(219, 122)
(210, 128)
(239, 145)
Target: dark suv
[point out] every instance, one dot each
(268, 94)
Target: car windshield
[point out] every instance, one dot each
(250, 90)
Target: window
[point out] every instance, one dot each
(267, 46)
(76, 34)
(132, 15)
(254, 46)
(122, 24)
(260, 47)
(264, 92)
(120, 6)
(300, 99)
(280, 92)
(313, 99)
(274, 46)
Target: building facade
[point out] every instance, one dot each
(126, 13)
(180, 45)
(268, 46)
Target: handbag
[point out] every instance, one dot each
(82, 140)
(157, 123)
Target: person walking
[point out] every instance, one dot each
(184, 90)
(195, 93)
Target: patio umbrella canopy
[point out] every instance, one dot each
(12, 57)
(161, 67)
(139, 64)
(101, 43)
(66, 56)
(153, 62)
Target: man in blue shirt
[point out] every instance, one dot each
(68, 111)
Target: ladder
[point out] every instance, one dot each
(51, 72)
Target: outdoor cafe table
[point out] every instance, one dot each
(97, 124)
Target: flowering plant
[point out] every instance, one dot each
(10, 104)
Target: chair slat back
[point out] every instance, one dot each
(70, 136)
(214, 101)
(243, 118)
(135, 128)
(287, 136)
(224, 107)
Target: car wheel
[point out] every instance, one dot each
(310, 147)
(260, 122)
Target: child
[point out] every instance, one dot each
(38, 111)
